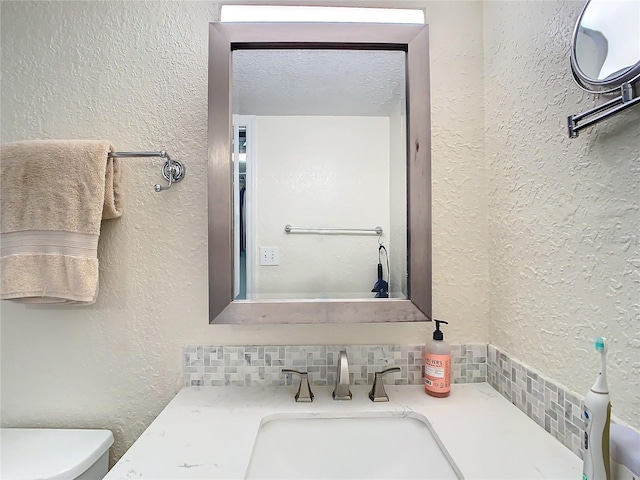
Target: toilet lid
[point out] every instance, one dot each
(50, 454)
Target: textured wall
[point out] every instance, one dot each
(564, 214)
(136, 73)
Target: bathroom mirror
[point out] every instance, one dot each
(321, 173)
(302, 119)
(606, 45)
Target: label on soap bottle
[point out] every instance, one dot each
(437, 373)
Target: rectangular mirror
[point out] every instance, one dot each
(319, 154)
(320, 175)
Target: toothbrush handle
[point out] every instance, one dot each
(597, 416)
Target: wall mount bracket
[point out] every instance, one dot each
(625, 100)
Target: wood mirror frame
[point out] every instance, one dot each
(224, 38)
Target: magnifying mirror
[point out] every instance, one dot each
(606, 45)
(605, 58)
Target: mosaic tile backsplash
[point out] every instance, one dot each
(261, 365)
(554, 408)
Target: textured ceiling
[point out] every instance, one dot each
(317, 82)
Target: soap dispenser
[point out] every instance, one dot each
(437, 364)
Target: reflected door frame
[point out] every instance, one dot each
(248, 122)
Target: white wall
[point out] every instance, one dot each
(564, 214)
(136, 73)
(321, 171)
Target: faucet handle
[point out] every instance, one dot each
(377, 393)
(304, 391)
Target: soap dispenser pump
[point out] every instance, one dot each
(437, 364)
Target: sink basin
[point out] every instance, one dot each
(368, 447)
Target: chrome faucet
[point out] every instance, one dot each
(342, 392)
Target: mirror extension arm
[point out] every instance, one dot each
(625, 100)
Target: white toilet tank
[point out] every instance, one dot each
(54, 454)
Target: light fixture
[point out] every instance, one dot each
(290, 13)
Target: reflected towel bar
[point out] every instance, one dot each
(373, 231)
(173, 171)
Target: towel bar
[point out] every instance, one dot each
(292, 229)
(173, 171)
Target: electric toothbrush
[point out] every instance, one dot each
(597, 417)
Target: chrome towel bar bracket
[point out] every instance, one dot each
(173, 171)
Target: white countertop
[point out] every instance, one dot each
(209, 432)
